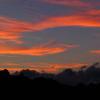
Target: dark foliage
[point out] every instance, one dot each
(85, 77)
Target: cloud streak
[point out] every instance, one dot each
(97, 52)
(65, 21)
(11, 29)
(39, 50)
(41, 67)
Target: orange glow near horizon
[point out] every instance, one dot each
(62, 32)
(42, 67)
(12, 29)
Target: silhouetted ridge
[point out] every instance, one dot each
(89, 75)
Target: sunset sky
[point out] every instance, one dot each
(49, 35)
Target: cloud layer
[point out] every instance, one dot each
(71, 22)
(39, 50)
(97, 52)
(11, 29)
(41, 67)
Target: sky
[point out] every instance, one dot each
(49, 35)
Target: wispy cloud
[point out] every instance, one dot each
(65, 21)
(39, 50)
(11, 29)
(97, 52)
(40, 66)
(54, 67)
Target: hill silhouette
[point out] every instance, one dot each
(85, 77)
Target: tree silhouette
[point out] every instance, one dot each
(89, 75)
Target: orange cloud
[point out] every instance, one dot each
(41, 67)
(72, 20)
(54, 67)
(40, 50)
(13, 26)
(10, 37)
(10, 29)
(95, 52)
(93, 12)
(59, 67)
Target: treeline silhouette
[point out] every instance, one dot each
(84, 77)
